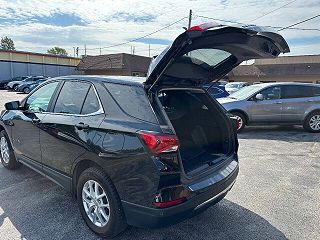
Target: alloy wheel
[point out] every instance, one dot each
(239, 122)
(314, 122)
(26, 90)
(95, 203)
(4, 148)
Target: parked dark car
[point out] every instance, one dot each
(28, 86)
(3, 83)
(129, 149)
(217, 91)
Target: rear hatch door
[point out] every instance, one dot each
(207, 52)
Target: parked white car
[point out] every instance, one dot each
(235, 86)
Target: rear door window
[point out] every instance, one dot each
(91, 104)
(297, 91)
(132, 100)
(71, 97)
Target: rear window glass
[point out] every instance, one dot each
(133, 100)
(210, 56)
(214, 90)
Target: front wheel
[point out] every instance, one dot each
(312, 122)
(99, 203)
(8, 159)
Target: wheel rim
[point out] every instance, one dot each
(95, 203)
(239, 122)
(26, 90)
(314, 122)
(4, 148)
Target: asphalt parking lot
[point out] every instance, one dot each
(276, 196)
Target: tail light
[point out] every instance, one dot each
(158, 143)
(169, 203)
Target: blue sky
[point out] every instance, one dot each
(40, 25)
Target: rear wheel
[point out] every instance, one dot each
(312, 122)
(8, 159)
(99, 203)
(15, 87)
(26, 90)
(241, 120)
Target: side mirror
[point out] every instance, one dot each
(15, 105)
(259, 97)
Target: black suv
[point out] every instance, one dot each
(133, 151)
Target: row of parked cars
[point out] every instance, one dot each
(23, 84)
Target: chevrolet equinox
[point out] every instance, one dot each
(133, 151)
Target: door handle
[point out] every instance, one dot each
(36, 120)
(82, 126)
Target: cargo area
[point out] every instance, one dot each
(200, 127)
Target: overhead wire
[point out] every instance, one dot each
(139, 38)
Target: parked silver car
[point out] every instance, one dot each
(276, 103)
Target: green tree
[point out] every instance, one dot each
(57, 51)
(7, 44)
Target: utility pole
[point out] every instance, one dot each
(149, 51)
(100, 50)
(85, 50)
(77, 51)
(74, 51)
(190, 17)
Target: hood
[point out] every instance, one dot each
(207, 52)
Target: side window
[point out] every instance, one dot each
(297, 91)
(91, 104)
(71, 97)
(271, 93)
(39, 100)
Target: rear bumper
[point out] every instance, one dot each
(141, 216)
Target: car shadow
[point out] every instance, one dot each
(32, 207)
(281, 133)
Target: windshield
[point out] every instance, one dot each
(246, 92)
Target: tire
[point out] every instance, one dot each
(312, 122)
(7, 157)
(241, 120)
(15, 88)
(26, 90)
(116, 222)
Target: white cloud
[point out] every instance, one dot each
(104, 27)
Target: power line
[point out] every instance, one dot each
(246, 24)
(144, 36)
(303, 21)
(274, 10)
